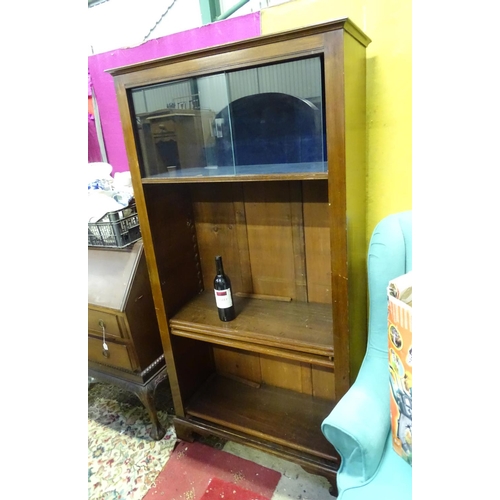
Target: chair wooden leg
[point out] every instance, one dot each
(147, 398)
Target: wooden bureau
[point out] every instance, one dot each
(124, 345)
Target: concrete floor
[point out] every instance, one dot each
(295, 482)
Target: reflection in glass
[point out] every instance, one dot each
(262, 120)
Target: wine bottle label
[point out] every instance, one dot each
(223, 298)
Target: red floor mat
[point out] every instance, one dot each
(197, 471)
(217, 489)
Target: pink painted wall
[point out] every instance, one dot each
(229, 30)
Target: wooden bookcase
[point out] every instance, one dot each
(292, 239)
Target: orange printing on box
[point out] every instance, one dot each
(400, 372)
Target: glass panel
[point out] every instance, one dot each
(261, 120)
(174, 125)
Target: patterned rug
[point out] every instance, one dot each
(124, 463)
(123, 460)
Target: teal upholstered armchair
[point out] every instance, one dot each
(359, 425)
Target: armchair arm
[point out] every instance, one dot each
(358, 426)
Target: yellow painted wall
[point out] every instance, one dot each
(388, 89)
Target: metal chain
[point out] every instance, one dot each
(159, 21)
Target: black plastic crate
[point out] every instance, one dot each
(116, 229)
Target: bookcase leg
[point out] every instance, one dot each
(183, 433)
(334, 491)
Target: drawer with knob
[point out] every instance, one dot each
(116, 355)
(99, 320)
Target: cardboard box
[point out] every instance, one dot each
(400, 364)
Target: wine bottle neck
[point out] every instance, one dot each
(218, 265)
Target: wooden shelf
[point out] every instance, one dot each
(286, 418)
(294, 326)
(248, 173)
(178, 112)
(312, 463)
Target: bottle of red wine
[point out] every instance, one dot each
(223, 295)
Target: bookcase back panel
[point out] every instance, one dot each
(271, 232)
(323, 383)
(220, 231)
(241, 365)
(256, 369)
(274, 237)
(291, 375)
